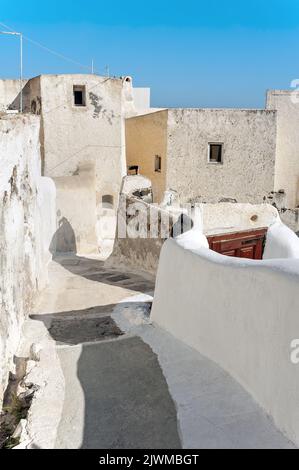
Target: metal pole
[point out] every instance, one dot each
(21, 73)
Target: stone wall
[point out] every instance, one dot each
(142, 252)
(290, 217)
(27, 224)
(228, 217)
(287, 158)
(146, 137)
(75, 136)
(249, 143)
(10, 94)
(181, 137)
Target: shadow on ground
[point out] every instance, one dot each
(92, 324)
(127, 404)
(95, 270)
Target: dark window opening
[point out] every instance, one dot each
(79, 96)
(134, 169)
(215, 153)
(107, 201)
(158, 164)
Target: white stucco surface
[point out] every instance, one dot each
(181, 137)
(142, 98)
(9, 91)
(76, 212)
(73, 137)
(286, 104)
(230, 217)
(193, 240)
(281, 242)
(249, 141)
(243, 314)
(27, 220)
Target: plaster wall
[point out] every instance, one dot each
(281, 242)
(249, 142)
(75, 137)
(290, 217)
(146, 137)
(142, 99)
(143, 252)
(77, 134)
(287, 154)
(138, 243)
(247, 328)
(76, 212)
(27, 224)
(9, 92)
(231, 217)
(249, 145)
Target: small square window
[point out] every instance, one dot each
(158, 164)
(79, 95)
(215, 153)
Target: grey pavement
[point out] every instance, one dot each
(127, 402)
(129, 384)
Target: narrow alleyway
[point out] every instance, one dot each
(128, 384)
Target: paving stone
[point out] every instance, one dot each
(77, 331)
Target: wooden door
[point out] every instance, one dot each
(246, 244)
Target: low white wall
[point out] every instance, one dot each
(281, 242)
(223, 217)
(27, 224)
(243, 314)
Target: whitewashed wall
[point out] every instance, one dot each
(286, 162)
(249, 145)
(27, 222)
(9, 94)
(243, 314)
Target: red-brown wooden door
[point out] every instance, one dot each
(247, 244)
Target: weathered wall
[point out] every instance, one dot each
(249, 145)
(9, 94)
(139, 250)
(290, 217)
(72, 136)
(76, 212)
(287, 153)
(146, 136)
(249, 140)
(143, 252)
(77, 134)
(27, 224)
(231, 217)
(243, 314)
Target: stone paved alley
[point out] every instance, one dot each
(110, 379)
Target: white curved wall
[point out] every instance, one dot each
(281, 242)
(243, 314)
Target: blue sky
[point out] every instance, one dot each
(191, 53)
